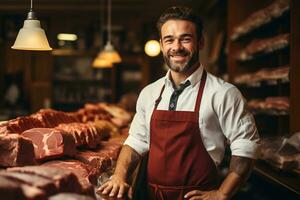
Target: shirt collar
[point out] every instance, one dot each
(194, 78)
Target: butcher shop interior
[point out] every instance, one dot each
(68, 101)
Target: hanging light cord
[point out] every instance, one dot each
(31, 14)
(31, 5)
(109, 20)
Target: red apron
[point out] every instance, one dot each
(178, 161)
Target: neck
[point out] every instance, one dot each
(178, 77)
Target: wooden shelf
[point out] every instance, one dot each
(288, 180)
(254, 17)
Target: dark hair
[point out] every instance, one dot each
(180, 13)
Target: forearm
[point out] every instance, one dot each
(239, 170)
(127, 162)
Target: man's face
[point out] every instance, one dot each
(180, 45)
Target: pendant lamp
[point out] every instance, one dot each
(109, 53)
(31, 37)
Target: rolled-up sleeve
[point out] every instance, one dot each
(138, 134)
(238, 125)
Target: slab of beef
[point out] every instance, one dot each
(260, 17)
(70, 196)
(86, 175)
(106, 128)
(50, 143)
(15, 190)
(51, 118)
(20, 124)
(64, 180)
(10, 189)
(278, 103)
(85, 134)
(99, 160)
(15, 150)
(120, 118)
(33, 180)
(92, 112)
(263, 46)
(111, 148)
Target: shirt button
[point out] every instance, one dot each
(172, 105)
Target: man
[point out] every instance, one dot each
(183, 120)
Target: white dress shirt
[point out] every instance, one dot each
(223, 115)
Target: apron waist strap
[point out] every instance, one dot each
(161, 192)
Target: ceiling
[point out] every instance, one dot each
(122, 8)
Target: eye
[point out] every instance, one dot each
(168, 41)
(186, 39)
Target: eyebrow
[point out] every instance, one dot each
(181, 36)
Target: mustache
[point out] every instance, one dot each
(181, 52)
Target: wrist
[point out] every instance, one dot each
(222, 195)
(120, 176)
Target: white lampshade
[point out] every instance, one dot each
(152, 48)
(101, 63)
(32, 37)
(110, 54)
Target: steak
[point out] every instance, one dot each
(15, 150)
(50, 143)
(64, 180)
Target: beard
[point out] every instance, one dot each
(178, 66)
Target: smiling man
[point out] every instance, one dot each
(182, 122)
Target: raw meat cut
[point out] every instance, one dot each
(15, 150)
(50, 143)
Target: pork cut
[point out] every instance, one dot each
(50, 143)
(16, 150)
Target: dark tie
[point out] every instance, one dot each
(176, 93)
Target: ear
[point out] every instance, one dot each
(201, 43)
(161, 45)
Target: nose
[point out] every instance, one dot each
(176, 45)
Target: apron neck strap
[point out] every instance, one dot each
(200, 92)
(199, 97)
(159, 98)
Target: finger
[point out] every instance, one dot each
(121, 191)
(103, 186)
(107, 189)
(130, 193)
(114, 191)
(192, 193)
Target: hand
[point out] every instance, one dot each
(205, 195)
(116, 187)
